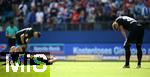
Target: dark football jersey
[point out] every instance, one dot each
(26, 31)
(127, 22)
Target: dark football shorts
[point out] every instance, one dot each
(136, 35)
(14, 56)
(18, 40)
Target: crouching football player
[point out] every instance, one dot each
(23, 36)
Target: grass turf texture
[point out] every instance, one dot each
(98, 69)
(3, 72)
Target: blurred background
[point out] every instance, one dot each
(69, 15)
(75, 29)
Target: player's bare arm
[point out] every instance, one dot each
(123, 32)
(22, 38)
(27, 40)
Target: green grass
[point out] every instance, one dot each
(3, 72)
(98, 69)
(83, 69)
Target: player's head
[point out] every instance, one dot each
(115, 26)
(13, 49)
(36, 34)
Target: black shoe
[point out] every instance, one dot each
(138, 66)
(126, 66)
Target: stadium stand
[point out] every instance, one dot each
(64, 15)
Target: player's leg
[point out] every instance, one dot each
(11, 47)
(13, 54)
(139, 54)
(127, 55)
(130, 39)
(139, 41)
(127, 45)
(24, 52)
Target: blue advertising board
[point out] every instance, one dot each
(89, 49)
(2, 47)
(52, 48)
(102, 49)
(85, 49)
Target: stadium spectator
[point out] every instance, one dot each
(53, 12)
(62, 8)
(10, 33)
(53, 9)
(104, 1)
(23, 8)
(146, 12)
(14, 5)
(39, 19)
(20, 20)
(90, 21)
(139, 5)
(106, 10)
(99, 11)
(128, 4)
(83, 19)
(59, 21)
(39, 16)
(68, 16)
(90, 9)
(75, 20)
(31, 17)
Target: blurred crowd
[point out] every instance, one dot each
(51, 15)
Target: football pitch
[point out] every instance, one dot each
(98, 69)
(3, 72)
(83, 69)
